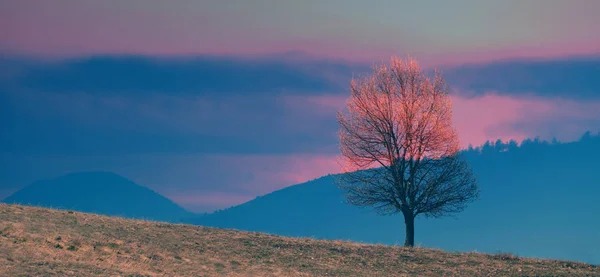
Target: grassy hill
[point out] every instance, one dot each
(44, 242)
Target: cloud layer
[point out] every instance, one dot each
(182, 128)
(573, 78)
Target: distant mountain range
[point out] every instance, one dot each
(538, 199)
(102, 193)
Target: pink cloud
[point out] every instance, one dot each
(474, 117)
(220, 181)
(490, 117)
(271, 172)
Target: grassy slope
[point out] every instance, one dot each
(42, 242)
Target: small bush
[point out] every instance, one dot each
(505, 257)
(235, 263)
(219, 266)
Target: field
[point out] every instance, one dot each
(46, 242)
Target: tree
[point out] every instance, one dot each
(400, 149)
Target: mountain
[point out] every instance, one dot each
(102, 193)
(538, 199)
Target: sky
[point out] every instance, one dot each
(212, 103)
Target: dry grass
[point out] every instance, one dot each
(45, 242)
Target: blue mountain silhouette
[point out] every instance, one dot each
(538, 199)
(102, 193)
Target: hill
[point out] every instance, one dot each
(100, 192)
(538, 199)
(43, 242)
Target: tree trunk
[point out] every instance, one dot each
(409, 221)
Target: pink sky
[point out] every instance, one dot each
(457, 32)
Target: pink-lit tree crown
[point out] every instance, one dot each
(397, 113)
(399, 145)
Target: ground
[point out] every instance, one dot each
(46, 242)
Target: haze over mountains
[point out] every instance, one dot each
(538, 199)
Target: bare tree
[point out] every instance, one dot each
(400, 148)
